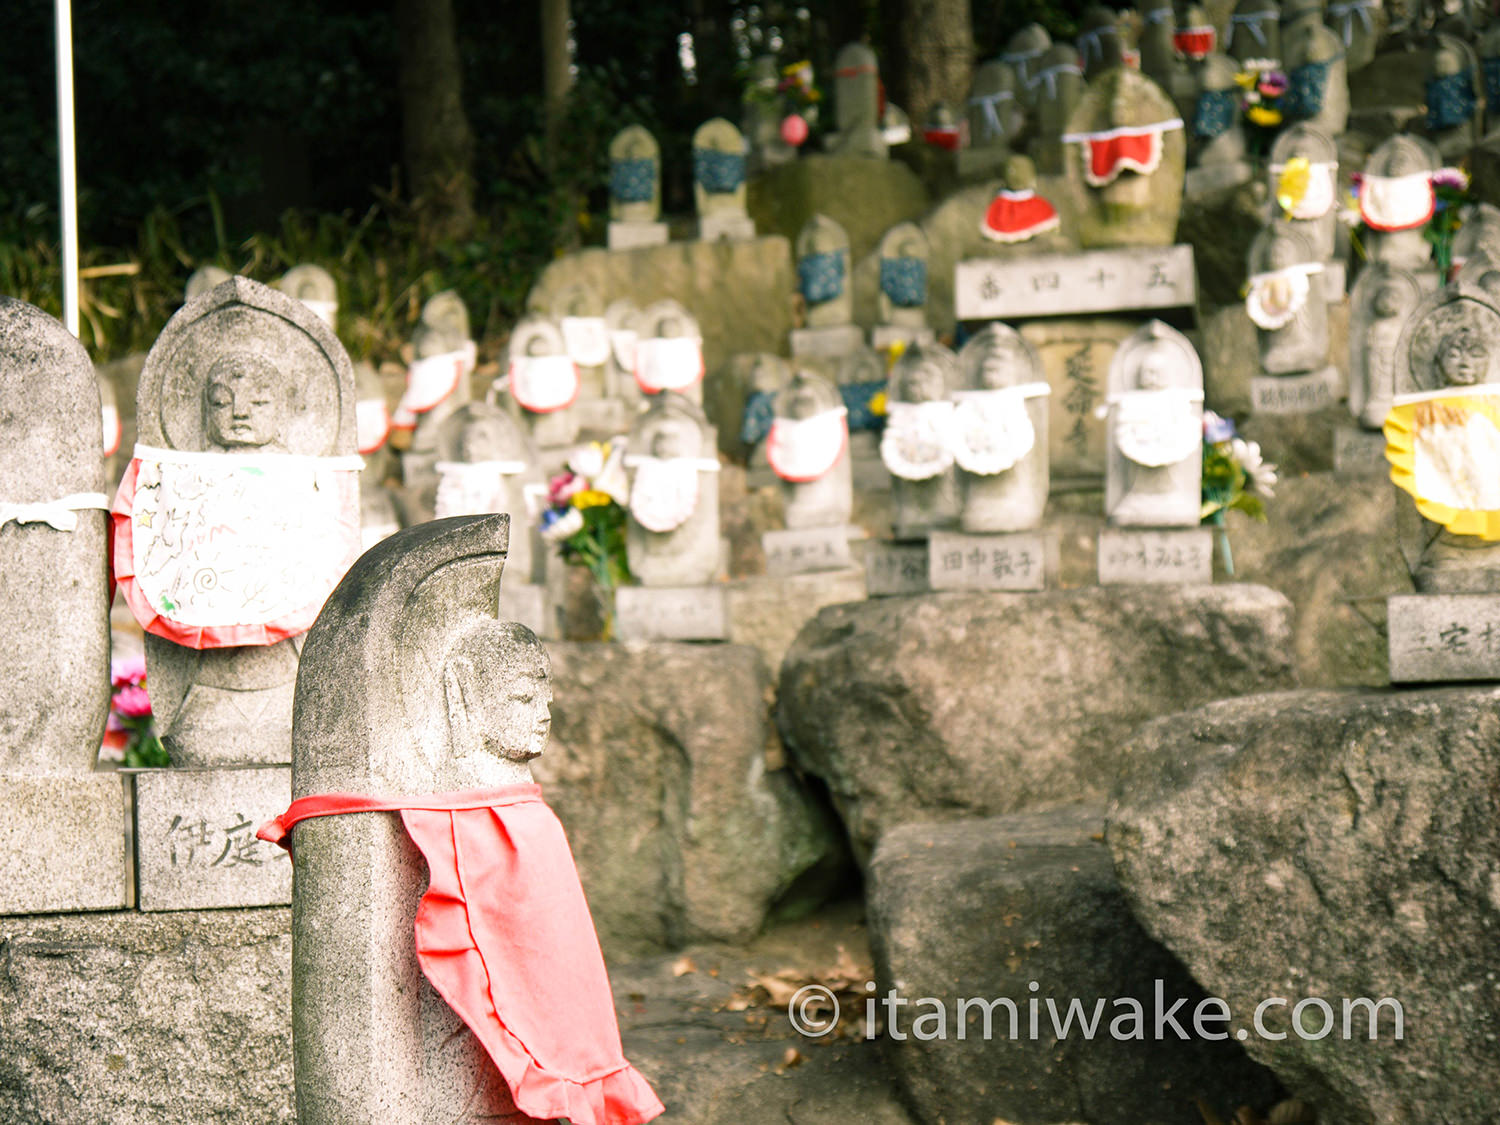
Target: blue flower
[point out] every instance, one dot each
(1216, 428)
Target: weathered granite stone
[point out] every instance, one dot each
(691, 836)
(1285, 300)
(896, 569)
(870, 690)
(1255, 31)
(230, 706)
(1159, 60)
(1361, 25)
(1100, 46)
(1394, 199)
(1000, 433)
(996, 118)
(1119, 205)
(202, 279)
(915, 445)
(314, 287)
(1440, 638)
(1056, 86)
(808, 448)
(62, 840)
(1449, 345)
(856, 103)
(411, 686)
(1216, 139)
(544, 381)
(1371, 847)
(195, 842)
(1023, 560)
(1060, 934)
(1076, 353)
(442, 331)
(719, 182)
(1383, 298)
(123, 1017)
(672, 537)
(1154, 462)
(768, 612)
(1136, 279)
(487, 464)
(1315, 215)
(823, 273)
(671, 613)
(1023, 52)
(904, 254)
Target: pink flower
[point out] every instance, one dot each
(562, 487)
(132, 702)
(1273, 84)
(127, 670)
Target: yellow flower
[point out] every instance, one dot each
(877, 404)
(1245, 79)
(1261, 115)
(1292, 184)
(590, 498)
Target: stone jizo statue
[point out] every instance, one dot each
(1379, 305)
(1154, 461)
(917, 446)
(1000, 433)
(672, 537)
(808, 448)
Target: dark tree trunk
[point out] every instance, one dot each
(937, 62)
(557, 77)
(436, 142)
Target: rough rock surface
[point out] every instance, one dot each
(985, 909)
(130, 1017)
(953, 705)
(657, 768)
(1333, 845)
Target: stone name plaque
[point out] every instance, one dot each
(893, 569)
(1295, 394)
(1358, 452)
(1014, 561)
(1435, 637)
(195, 839)
(805, 550)
(1155, 558)
(671, 613)
(1097, 281)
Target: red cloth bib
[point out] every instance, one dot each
(1194, 42)
(1015, 216)
(946, 137)
(1124, 149)
(504, 935)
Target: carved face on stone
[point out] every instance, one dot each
(245, 403)
(486, 439)
(808, 396)
(922, 381)
(1463, 358)
(1388, 302)
(676, 437)
(1004, 364)
(498, 682)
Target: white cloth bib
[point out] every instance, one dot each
(428, 383)
(587, 339)
(1396, 203)
(1322, 188)
(1275, 298)
(223, 540)
(1157, 428)
(917, 443)
(992, 429)
(544, 383)
(474, 488)
(805, 449)
(664, 490)
(668, 363)
(372, 423)
(622, 343)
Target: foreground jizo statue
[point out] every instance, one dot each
(237, 516)
(418, 711)
(1443, 439)
(1154, 470)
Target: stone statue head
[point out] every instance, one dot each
(246, 403)
(487, 438)
(1449, 340)
(807, 395)
(1153, 358)
(497, 685)
(1463, 357)
(921, 375)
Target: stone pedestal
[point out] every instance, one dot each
(882, 336)
(831, 343)
(768, 612)
(1137, 279)
(893, 569)
(628, 236)
(1025, 560)
(806, 550)
(1359, 452)
(725, 228)
(981, 163)
(1216, 177)
(527, 603)
(1155, 557)
(1295, 394)
(195, 839)
(62, 843)
(671, 613)
(1437, 637)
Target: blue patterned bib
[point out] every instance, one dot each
(904, 281)
(857, 398)
(633, 181)
(1450, 101)
(1306, 85)
(718, 173)
(755, 423)
(821, 276)
(1216, 112)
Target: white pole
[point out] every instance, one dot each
(67, 172)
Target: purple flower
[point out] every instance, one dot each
(1455, 178)
(132, 702)
(1216, 428)
(1272, 84)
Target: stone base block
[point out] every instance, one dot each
(62, 843)
(726, 228)
(805, 550)
(1359, 452)
(628, 236)
(894, 569)
(1025, 560)
(883, 336)
(1438, 637)
(1216, 177)
(528, 604)
(671, 613)
(1295, 394)
(839, 340)
(1165, 557)
(195, 839)
(769, 612)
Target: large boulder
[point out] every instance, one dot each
(1333, 847)
(953, 705)
(658, 770)
(1025, 910)
(125, 1017)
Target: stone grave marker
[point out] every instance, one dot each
(1287, 304)
(635, 190)
(902, 301)
(856, 103)
(544, 381)
(314, 287)
(824, 279)
(719, 182)
(917, 445)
